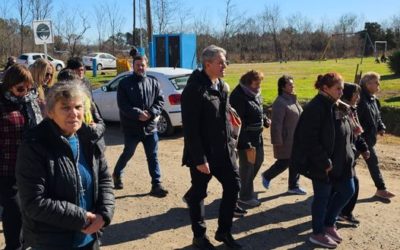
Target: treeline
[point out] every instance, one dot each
(267, 36)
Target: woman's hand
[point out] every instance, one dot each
(96, 223)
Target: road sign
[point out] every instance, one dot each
(42, 32)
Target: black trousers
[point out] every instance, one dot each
(11, 213)
(373, 167)
(229, 178)
(278, 167)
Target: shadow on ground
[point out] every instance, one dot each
(179, 217)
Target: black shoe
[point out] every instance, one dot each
(349, 219)
(158, 191)
(117, 182)
(239, 212)
(228, 240)
(202, 243)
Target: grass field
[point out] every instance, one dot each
(305, 73)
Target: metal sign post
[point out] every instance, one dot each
(43, 33)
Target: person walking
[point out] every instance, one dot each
(246, 100)
(371, 121)
(286, 111)
(351, 96)
(322, 151)
(209, 148)
(19, 111)
(62, 176)
(140, 103)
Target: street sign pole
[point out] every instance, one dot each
(45, 50)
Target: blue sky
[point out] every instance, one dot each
(316, 11)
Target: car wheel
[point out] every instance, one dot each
(164, 126)
(99, 66)
(59, 67)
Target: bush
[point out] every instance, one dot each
(394, 62)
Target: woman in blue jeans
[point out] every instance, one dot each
(322, 151)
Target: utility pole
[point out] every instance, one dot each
(134, 22)
(149, 24)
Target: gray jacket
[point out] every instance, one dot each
(285, 115)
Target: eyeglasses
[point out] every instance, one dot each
(22, 89)
(49, 75)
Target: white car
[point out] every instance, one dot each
(103, 60)
(172, 82)
(28, 59)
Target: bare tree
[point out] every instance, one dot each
(345, 27)
(232, 21)
(115, 21)
(273, 24)
(40, 9)
(164, 13)
(23, 15)
(72, 26)
(98, 13)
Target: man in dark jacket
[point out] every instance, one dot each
(140, 103)
(371, 121)
(209, 149)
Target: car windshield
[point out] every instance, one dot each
(179, 82)
(92, 55)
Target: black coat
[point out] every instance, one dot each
(314, 138)
(250, 110)
(370, 117)
(207, 134)
(47, 182)
(134, 95)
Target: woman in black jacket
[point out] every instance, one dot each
(64, 184)
(351, 96)
(246, 100)
(322, 150)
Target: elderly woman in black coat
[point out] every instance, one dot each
(62, 176)
(246, 100)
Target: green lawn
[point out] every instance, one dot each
(304, 72)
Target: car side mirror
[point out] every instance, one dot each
(105, 88)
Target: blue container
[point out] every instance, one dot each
(94, 67)
(173, 50)
(141, 51)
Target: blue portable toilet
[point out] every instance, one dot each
(173, 50)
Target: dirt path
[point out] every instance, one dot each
(281, 222)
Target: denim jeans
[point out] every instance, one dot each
(248, 172)
(278, 167)
(329, 200)
(150, 143)
(11, 216)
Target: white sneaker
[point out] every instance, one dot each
(251, 202)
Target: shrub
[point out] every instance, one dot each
(394, 62)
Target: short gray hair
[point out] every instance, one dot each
(65, 91)
(210, 52)
(367, 77)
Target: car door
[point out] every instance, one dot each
(107, 99)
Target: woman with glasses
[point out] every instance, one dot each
(19, 111)
(42, 73)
